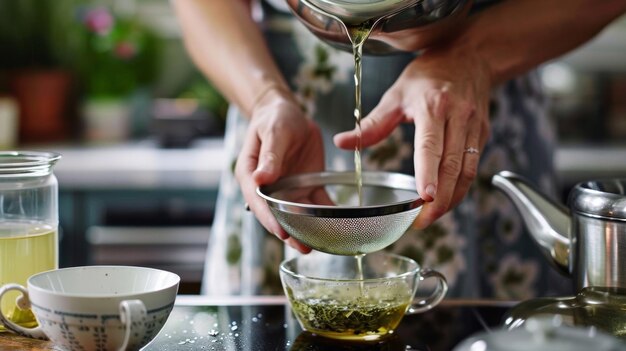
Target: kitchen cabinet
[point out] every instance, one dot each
(137, 204)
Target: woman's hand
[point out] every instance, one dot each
(445, 94)
(280, 141)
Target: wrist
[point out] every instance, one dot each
(271, 94)
(466, 51)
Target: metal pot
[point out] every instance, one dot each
(586, 241)
(539, 334)
(398, 25)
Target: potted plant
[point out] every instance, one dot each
(34, 64)
(118, 56)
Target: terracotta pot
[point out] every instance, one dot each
(42, 96)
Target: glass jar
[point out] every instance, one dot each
(28, 222)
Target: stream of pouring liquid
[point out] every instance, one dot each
(358, 35)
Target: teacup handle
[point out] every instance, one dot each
(133, 315)
(435, 298)
(23, 303)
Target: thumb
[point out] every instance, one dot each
(376, 126)
(271, 159)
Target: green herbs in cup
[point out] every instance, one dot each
(356, 298)
(359, 318)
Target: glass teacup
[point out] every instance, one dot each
(356, 297)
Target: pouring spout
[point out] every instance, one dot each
(547, 221)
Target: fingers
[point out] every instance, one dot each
(376, 126)
(320, 196)
(273, 147)
(247, 163)
(298, 245)
(430, 121)
(477, 137)
(456, 167)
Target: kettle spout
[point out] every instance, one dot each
(547, 221)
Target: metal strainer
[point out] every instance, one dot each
(322, 209)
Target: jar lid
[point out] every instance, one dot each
(540, 334)
(604, 199)
(27, 163)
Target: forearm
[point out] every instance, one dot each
(228, 47)
(517, 35)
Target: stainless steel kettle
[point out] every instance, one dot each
(397, 25)
(588, 240)
(542, 334)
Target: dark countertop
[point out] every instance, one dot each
(266, 323)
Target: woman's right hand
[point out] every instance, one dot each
(280, 141)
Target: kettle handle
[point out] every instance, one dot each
(547, 221)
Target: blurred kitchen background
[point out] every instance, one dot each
(108, 84)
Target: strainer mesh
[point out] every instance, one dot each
(346, 236)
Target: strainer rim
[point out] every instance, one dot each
(413, 271)
(341, 211)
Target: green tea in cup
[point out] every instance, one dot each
(338, 297)
(353, 318)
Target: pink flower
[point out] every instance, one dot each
(125, 50)
(99, 20)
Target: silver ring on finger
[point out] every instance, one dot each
(471, 150)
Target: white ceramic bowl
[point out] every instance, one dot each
(97, 307)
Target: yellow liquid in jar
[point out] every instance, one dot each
(26, 248)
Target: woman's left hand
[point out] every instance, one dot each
(445, 94)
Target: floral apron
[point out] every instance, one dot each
(481, 246)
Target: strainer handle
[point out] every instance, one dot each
(435, 298)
